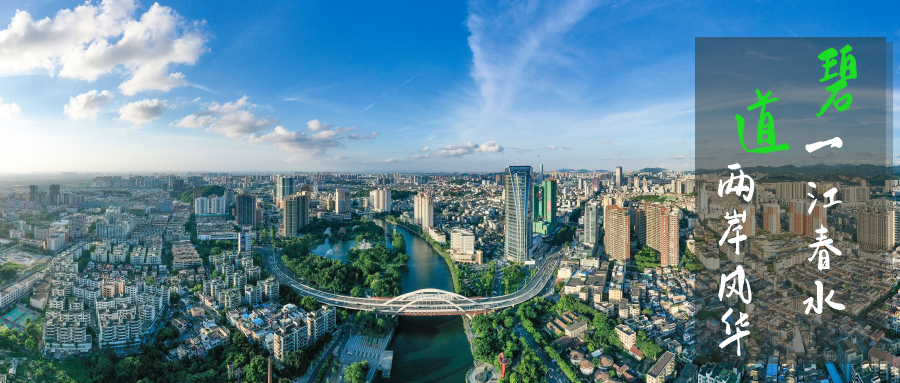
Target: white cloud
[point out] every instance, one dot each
(556, 147)
(92, 40)
(292, 141)
(508, 40)
(459, 150)
(357, 137)
(86, 106)
(603, 142)
(317, 138)
(425, 149)
(143, 111)
(8, 111)
(231, 119)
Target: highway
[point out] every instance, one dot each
(429, 302)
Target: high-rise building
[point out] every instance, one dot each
(545, 207)
(380, 199)
(217, 205)
(342, 201)
(201, 206)
(518, 211)
(591, 223)
(284, 186)
(53, 196)
(660, 231)
(618, 176)
(876, 230)
(771, 214)
(229, 197)
(617, 232)
(32, 193)
(245, 210)
(423, 210)
(245, 241)
(801, 222)
(197, 193)
(296, 214)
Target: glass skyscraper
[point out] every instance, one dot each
(519, 212)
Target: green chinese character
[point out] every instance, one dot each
(765, 131)
(847, 72)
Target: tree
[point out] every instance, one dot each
(357, 372)
(30, 345)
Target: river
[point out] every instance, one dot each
(426, 349)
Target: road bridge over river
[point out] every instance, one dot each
(431, 302)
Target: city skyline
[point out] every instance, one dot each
(422, 87)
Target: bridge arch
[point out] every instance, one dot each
(435, 294)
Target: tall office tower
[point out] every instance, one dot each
(537, 202)
(876, 230)
(245, 241)
(229, 197)
(636, 182)
(245, 210)
(32, 193)
(617, 232)
(548, 194)
(201, 206)
(380, 199)
(519, 213)
(197, 193)
(423, 210)
(53, 196)
(657, 228)
(591, 223)
(771, 218)
(618, 176)
(284, 186)
(342, 201)
(296, 214)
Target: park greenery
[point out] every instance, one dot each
(357, 372)
(9, 271)
(478, 282)
(188, 195)
(375, 270)
(646, 258)
(496, 335)
(370, 324)
(691, 262)
(562, 236)
(513, 276)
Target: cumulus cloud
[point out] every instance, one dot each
(231, 119)
(8, 111)
(603, 142)
(92, 40)
(425, 149)
(459, 150)
(288, 140)
(317, 138)
(143, 111)
(555, 147)
(86, 106)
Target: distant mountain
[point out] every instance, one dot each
(579, 171)
(653, 170)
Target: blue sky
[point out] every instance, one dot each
(362, 86)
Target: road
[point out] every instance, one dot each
(554, 374)
(422, 302)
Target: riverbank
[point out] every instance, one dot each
(417, 230)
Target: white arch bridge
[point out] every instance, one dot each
(431, 302)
